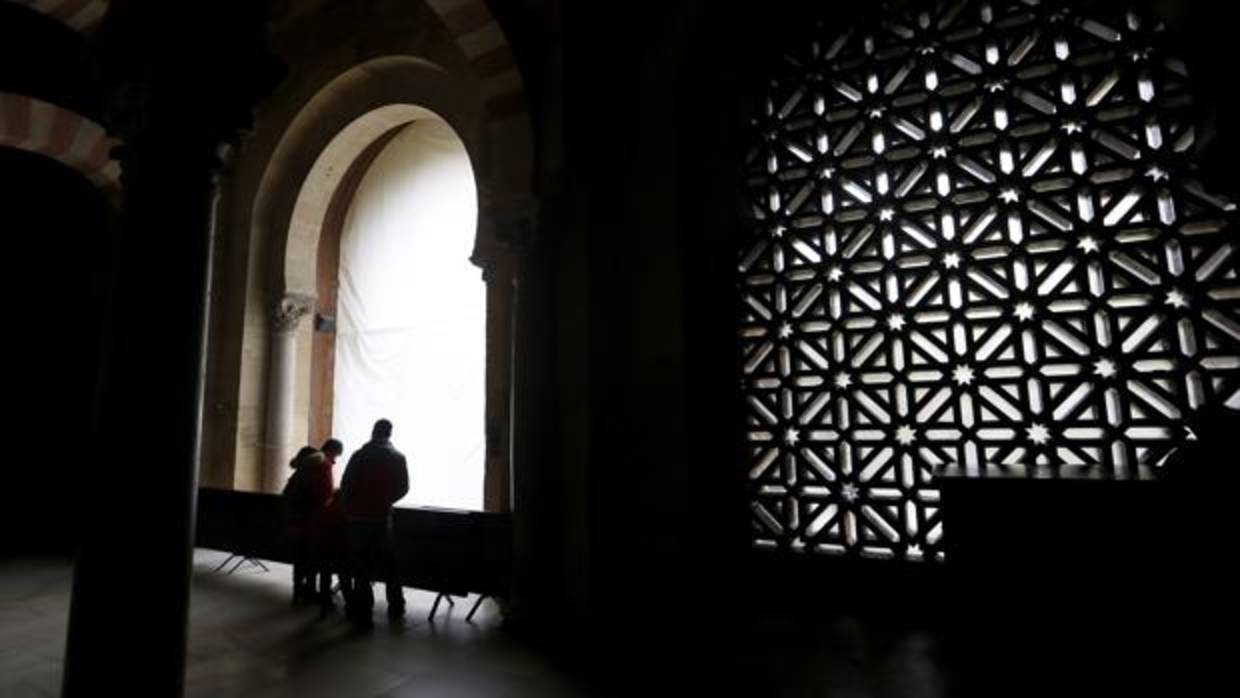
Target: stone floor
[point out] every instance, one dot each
(34, 608)
(246, 641)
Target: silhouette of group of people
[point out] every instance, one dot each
(348, 531)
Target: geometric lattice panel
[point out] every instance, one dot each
(977, 239)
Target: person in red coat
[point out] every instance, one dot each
(327, 534)
(305, 494)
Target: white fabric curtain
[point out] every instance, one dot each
(411, 316)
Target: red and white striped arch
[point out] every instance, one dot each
(65, 136)
(480, 37)
(37, 126)
(469, 22)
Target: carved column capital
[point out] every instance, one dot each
(509, 219)
(289, 311)
(504, 224)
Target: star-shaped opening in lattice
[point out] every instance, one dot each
(1024, 311)
(1038, 434)
(905, 435)
(1105, 368)
(1177, 298)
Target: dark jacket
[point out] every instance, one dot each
(308, 489)
(375, 478)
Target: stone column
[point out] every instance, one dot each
(177, 98)
(502, 224)
(536, 482)
(281, 387)
(497, 485)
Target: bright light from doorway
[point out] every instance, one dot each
(411, 341)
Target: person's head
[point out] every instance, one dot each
(304, 456)
(332, 448)
(382, 430)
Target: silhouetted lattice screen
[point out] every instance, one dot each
(977, 239)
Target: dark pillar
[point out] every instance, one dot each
(176, 101)
(536, 509)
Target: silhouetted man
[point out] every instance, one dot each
(375, 479)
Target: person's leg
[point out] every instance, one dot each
(326, 603)
(391, 574)
(346, 583)
(296, 581)
(350, 554)
(299, 570)
(373, 569)
(361, 600)
(343, 576)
